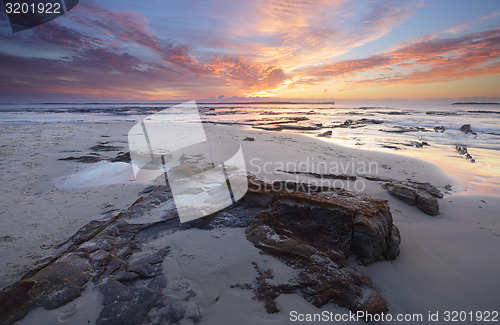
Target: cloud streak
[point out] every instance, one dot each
(424, 61)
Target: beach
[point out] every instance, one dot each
(447, 262)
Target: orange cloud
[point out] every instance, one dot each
(432, 60)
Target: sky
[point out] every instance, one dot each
(229, 50)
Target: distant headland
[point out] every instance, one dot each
(474, 103)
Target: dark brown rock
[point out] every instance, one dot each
(314, 233)
(423, 195)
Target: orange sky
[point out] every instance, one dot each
(220, 49)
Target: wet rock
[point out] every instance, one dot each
(445, 113)
(121, 157)
(60, 298)
(101, 147)
(463, 151)
(100, 257)
(358, 123)
(176, 309)
(125, 276)
(113, 291)
(123, 313)
(158, 283)
(311, 230)
(300, 127)
(14, 297)
(145, 269)
(404, 129)
(314, 233)
(467, 129)
(325, 134)
(388, 146)
(87, 159)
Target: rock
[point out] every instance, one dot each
(158, 283)
(402, 192)
(60, 298)
(311, 229)
(427, 203)
(314, 233)
(113, 291)
(466, 129)
(249, 139)
(176, 309)
(123, 313)
(300, 127)
(463, 151)
(145, 269)
(14, 296)
(125, 276)
(121, 157)
(100, 257)
(404, 129)
(101, 147)
(439, 129)
(325, 134)
(87, 159)
(357, 124)
(445, 113)
(423, 195)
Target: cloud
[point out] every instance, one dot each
(249, 48)
(425, 60)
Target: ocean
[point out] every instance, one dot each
(430, 132)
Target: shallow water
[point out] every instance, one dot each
(483, 176)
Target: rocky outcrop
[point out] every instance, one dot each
(463, 151)
(312, 229)
(315, 233)
(423, 195)
(357, 123)
(467, 129)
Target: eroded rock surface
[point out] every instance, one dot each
(423, 195)
(315, 232)
(311, 229)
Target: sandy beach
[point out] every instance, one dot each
(446, 262)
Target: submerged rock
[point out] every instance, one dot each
(404, 129)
